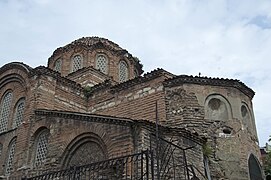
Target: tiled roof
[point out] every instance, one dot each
(185, 79)
(96, 43)
(42, 70)
(141, 79)
(18, 65)
(119, 121)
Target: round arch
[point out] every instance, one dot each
(39, 146)
(86, 148)
(254, 168)
(217, 107)
(246, 115)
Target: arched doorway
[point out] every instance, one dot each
(84, 149)
(255, 171)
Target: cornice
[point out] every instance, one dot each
(185, 79)
(42, 70)
(141, 79)
(151, 126)
(17, 65)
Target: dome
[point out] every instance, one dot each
(98, 53)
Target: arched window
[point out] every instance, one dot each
(5, 111)
(19, 112)
(10, 156)
(123, 71)
(86, 153)
(102, 63)
(77, 62)
(58, 65)
(84, 149)
(255, 171)
(41, 147)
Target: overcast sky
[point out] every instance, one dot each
(219, 38)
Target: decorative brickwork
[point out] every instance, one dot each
(105, 109)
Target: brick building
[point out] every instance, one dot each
(92, 103)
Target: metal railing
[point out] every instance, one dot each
(136, 166)
(165, 160)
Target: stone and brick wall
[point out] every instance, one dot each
(231, 139)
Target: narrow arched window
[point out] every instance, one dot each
(41, 147)
(58, 65)
(19, 112)
(123, 71)
(102, 63)
(77, 62)
(5, 111)
(10, 156)
(255, 170)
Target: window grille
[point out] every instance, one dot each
(123, 71)
(11, 152)
(18, 118)
(58, 64)
(5, 111)
(101, 63)
(86, 153)
(77, 63)
(42, 147)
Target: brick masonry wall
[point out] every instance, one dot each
(51, 94)
(88, 77)
(14, 80)
(230, 152)
(136, 102)
(117, 139)
(89, 58)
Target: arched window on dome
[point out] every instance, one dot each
(5, 111)
(41, 147)
(102, 63)
(58, 65)
(10, 156)
(19, 112)
(77, 63)
(123, 71)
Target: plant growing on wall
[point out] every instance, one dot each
(206, 149)
(87, 91)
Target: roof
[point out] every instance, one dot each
(95, 43)
(118, 121)
(185, 79)
(42, 70)
(18, 65)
